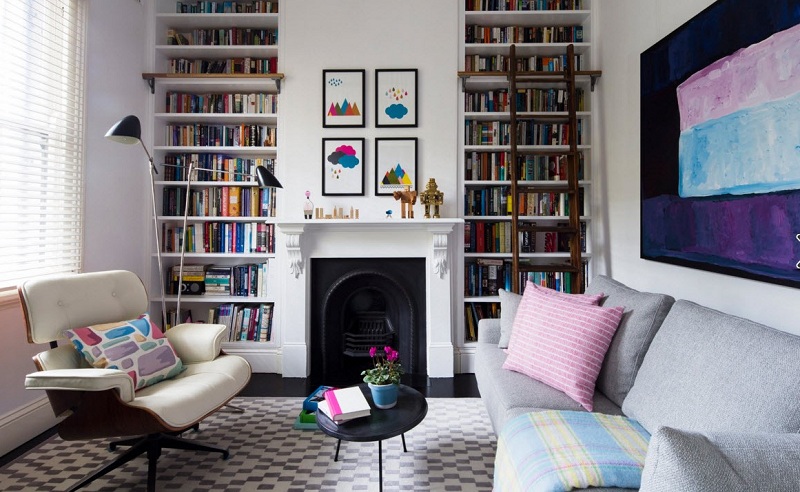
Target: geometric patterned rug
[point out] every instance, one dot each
(452, 449)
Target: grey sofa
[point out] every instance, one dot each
(720, 395)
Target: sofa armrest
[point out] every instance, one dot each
(82, 380)
(723, 461)
(196, 342)
(489, 330)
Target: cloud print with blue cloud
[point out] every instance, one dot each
(396, 111)
(345, 156)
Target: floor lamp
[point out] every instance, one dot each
(265, 180)
(128, 130)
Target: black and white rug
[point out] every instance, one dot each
(452, 449)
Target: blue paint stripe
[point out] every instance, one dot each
(754, 150)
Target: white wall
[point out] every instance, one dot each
(625, 29)
(117, 181)
(116, 199)
(368, 34)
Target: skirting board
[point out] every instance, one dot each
(266, 361)
(25, 423)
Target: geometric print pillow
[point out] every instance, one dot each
(137, 347)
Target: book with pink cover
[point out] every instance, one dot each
(344, 404)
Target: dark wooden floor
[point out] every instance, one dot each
(460, 386)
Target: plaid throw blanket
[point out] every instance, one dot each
(553, 451)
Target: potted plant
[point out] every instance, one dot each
(384, 377)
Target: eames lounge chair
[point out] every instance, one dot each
(102, 312)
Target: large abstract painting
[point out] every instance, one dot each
(720, 140)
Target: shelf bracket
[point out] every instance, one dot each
(151, 82)
(463, 84)
(278, 85)
(593, 79)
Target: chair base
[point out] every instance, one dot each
(152, 444)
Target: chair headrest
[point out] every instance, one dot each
(60, 302)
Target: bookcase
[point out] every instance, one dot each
(526, 215)
(216, 89)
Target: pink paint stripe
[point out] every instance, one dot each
(333, 403)
(759, 73)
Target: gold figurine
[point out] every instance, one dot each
(431, 197)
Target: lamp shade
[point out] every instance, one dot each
(128, 130)
(266, 179)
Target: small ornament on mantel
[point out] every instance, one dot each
(308, 206)
(431, 197)
(407, 200)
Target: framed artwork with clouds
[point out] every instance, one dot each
(343, 166)
(396, 97)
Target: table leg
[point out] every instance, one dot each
(380, 466)
(338, 443)
(403, 437)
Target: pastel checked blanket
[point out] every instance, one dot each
(552, 451)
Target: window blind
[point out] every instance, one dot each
(41, 137)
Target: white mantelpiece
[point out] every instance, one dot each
(354, 238)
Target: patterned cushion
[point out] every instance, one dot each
(136, 346)
(562, 450)
(561, 343)
(509, 303)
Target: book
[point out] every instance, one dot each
(306, 421)
(310, 403)
(344, 404)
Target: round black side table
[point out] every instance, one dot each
(411, 408)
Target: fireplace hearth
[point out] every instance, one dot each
(358, 303)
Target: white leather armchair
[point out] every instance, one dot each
(97, 403)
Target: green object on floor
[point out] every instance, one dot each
(306, 421)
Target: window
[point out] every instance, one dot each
(41, 137)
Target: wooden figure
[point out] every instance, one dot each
(431, 197)
(407, 200)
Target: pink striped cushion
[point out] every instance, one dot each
(593, 299)
(561, 343)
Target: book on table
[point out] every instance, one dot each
(344, 404)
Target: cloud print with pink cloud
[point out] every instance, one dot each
(345, 156)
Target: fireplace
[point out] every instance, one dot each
(358, 303)
(366, 300)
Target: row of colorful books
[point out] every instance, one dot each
(245, 322)
(527, 100)
(219, 237)
(523, 34)
(214, 167)
(227, 7)
(225, 103)
(219, 201)
(244, 280)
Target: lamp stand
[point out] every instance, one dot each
(184, 237)
(158, 241)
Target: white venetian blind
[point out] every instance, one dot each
(41, 137)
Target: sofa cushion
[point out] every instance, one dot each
(136, 346)
(561, 342)
(644, 313)
(509, 303)
(508, 393)
(561, 451)
(709, 371)
(721, 462)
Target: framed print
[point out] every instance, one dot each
(396, 97)
(343, 166)
(343, 98)
(395, 165)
